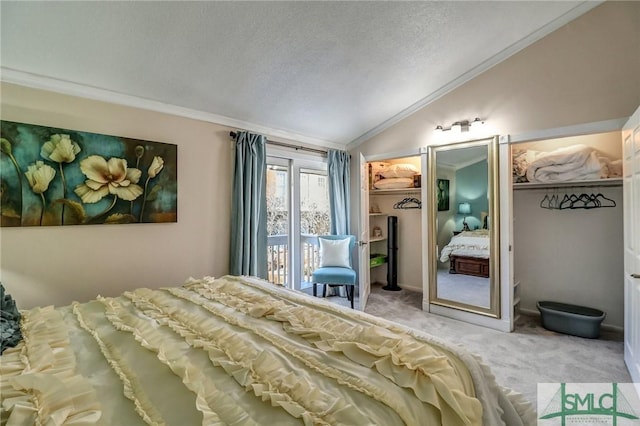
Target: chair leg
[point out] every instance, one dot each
(315, 290)
(350, 289)
(324, 290)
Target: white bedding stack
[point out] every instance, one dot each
(571, 163)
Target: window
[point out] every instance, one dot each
(297, 212)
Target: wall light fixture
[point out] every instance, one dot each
(461, 126)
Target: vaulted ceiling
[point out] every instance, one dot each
(325, 73)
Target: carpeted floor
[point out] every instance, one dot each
(519, 360)
(464, 288)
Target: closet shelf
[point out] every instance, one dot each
(572, 184)
(395, 191)
(374, 239)
(378, 214)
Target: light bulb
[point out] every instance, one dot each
(477, 123)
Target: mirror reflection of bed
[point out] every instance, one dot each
(463, 269)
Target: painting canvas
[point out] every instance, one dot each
(443, 194)
(53, 176)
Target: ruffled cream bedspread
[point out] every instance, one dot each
(238, 351)
(468, 243)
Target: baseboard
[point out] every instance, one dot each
(410, 287)
(481, 320)
(404, 286)
(604, 326)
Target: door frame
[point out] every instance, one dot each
(363, 203)
(295, 161)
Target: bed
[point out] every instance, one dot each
(468, 253)
(238, 350)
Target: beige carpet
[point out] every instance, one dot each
(519, 360)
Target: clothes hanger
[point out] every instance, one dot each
(593, 201)
(567, 201)
(608, 201)
(408, 203)
(585, 201)
(550, 202)
(399, 204)
(412, 203)
(545, 203)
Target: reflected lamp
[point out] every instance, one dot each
(465, 210)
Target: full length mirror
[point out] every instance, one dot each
(464, 251)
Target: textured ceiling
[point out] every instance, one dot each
(325, 71)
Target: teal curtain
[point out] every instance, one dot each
(249, 207)
(338, 171)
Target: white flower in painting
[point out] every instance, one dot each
(60, 148)
(108, 177)
(40, 176)
(156, 166)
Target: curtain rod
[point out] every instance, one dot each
(287, 145)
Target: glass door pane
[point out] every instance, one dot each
(314, 219)
(278, 223)
(297, 212)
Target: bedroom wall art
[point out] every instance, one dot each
(443, 195)
(51, 176)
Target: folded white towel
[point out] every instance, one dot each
(575, 162)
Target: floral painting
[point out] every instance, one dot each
(51, 176)
(443, 194)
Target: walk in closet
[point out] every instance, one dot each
(568, 224)
(395, 191)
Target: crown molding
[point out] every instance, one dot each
(35, 81)
(543, 31)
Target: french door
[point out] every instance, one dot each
(364, 277)
(297, 212)
(631, 212)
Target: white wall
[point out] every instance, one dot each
(570, 256)
(56, 265)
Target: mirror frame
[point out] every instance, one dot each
(493, 190)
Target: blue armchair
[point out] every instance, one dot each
(336, 264)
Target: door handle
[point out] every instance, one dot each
(636, 276)
(362, 243)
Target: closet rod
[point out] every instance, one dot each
(287, 145)
(568, 185)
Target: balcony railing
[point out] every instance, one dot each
(278, 258)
